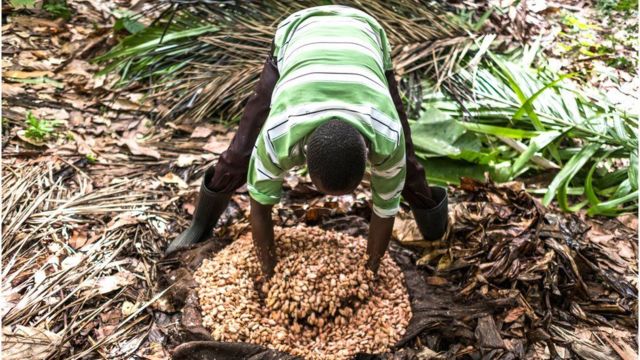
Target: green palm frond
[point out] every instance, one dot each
(519, 119)
(201, 58)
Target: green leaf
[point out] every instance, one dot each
(152, 42)
(536, 144)
(609, 207)
(499, 130)
(633, 170)
(444, 171)
(127, 23)
(513, 84)
(588, 186)
(23, 4)
(532, 98)
(40, 80)
(437, 133)
(570, 169)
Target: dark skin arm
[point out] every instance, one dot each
(379, 236)
(262, 230)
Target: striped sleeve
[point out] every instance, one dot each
(265, 176)
(386, 51)
(387, 182)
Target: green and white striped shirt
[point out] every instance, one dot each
(332, 62)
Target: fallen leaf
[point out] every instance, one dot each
(9, 90)
(35, 142)
(78, 239)
(215, 145)
(189, 208)
(128, 308)
(22, 342)
(185, 160)
(107, 284)
(202, 131)
(171, 178)
(514, 314)
(629, 220)
(16, 74)
(436, 280)
(136, 149)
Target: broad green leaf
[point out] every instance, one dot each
(127, 23)
(569, 171)
(448, 171)
(437, 133)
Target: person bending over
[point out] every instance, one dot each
(327, 97)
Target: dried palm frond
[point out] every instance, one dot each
(72, 257)
(201, 58)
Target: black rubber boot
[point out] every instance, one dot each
(209, 206)
(433, 222)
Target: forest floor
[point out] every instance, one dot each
(93, 191)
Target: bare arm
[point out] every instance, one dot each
(262, 229)
(380, 230)
(416, 190)
(231, 169)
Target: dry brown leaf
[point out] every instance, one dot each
(216, 145)
(9, 90)
(22, 342)
(16, 74)
(514, 314)
(202, 131)
(78, 67)
(189, 208)
(436, 280)
(35, 142)
(406, 231)
(136, 149)
(171, 178)
(107, 284)
(78, 239)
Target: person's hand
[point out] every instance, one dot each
(262, 232)
(380, 230)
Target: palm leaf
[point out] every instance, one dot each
(547, 123)
(202, 58)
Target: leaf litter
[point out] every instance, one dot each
(510, 280)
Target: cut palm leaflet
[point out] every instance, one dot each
(476, 111)
(521, 122)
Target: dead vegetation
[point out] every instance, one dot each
(87, 211)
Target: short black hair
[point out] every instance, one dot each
(336, 157)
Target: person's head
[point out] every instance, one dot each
(336, 157)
